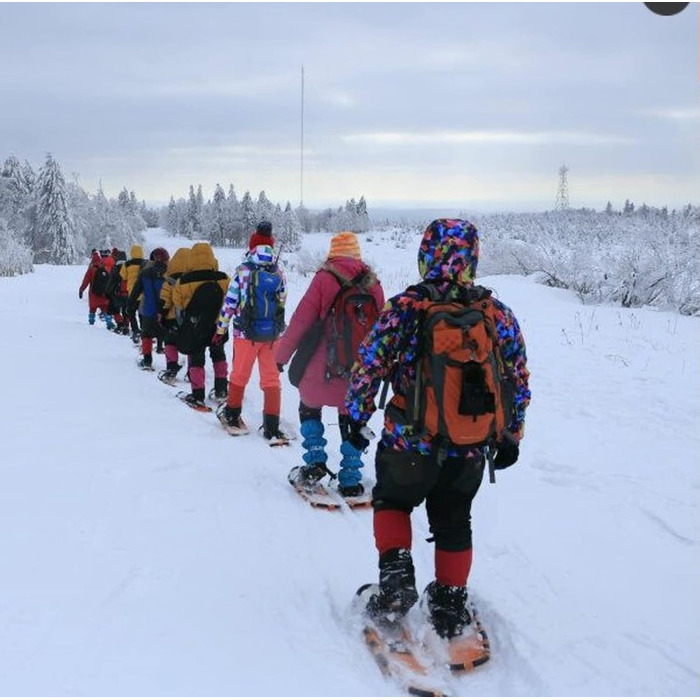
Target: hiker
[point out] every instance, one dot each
(198, 294)
(320, 326)
(255, 301)
(130, 271)
(116, 293)
(147, 290)
(96, 277)
(445, 406)
(177, 266)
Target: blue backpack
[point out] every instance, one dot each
(262, 317)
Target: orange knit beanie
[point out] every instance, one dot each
(345, 245)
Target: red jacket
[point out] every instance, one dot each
(314, 389)
(94, 300)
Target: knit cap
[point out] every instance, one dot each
(345, 245)
(262, 236)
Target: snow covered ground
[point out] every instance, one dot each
(145, 552)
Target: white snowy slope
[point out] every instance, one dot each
(145, 552)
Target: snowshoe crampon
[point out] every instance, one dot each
(193, 403)
(396, 651)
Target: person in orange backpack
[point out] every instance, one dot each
(455, 357)
(96, 278)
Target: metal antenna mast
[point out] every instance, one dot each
(301, 174)
(562, 201)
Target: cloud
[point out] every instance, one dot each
(449, 138)
(677, 114)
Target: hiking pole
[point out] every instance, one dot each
(492, 469)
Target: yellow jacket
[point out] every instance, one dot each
(202, 267)
(177, 266)
(132, 267)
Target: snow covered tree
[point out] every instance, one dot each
(289, 231)
(249, 218)
(362, 216)
(193, 222)
(172, 217)
(56, 234)
(264, 208)
(218, 217)
(15, 257)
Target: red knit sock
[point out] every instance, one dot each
(392, 530)
(452, 568)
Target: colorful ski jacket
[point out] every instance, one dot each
(448, 253)
(260, 258)
(315, 389)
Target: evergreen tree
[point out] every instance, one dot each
(609, 208)
(234, 223)
(248, 215)
(172, 217)
(218, 232)
(264, 208)
(56, 234)
(290, 230)
(194, 219)
(362, 216)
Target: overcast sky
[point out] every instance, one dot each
(465, 104)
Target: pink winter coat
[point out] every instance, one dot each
(315, 390)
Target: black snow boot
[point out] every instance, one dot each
(146, 361)
(271, 429)
(220, 388)
(397, 587)
(447, 607)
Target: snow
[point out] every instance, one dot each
(145, 552)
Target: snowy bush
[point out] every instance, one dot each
(307, 262)
(15, 257)
(645, 258)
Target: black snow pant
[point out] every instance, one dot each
(405, 479)
(216, 352)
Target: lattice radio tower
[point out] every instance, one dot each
(562, 201)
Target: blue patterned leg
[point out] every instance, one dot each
(91, 319)
(350, 465)
(314, 442)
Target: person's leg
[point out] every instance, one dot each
(272, 390)
(349, 476)
(218, 359)
(314, 444)
(403, 480)
(195, 372)
(245, 352)
(449, 514)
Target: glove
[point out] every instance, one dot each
(507, 453)
(80, 294)
(359, 435)
(280, 367)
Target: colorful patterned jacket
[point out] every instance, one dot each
(448, 253)
(261, 257)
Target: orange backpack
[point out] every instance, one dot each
(462, 391)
